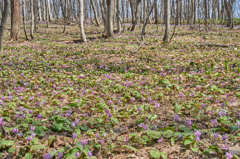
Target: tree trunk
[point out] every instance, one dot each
(135, 9)
(95, 12)
(32, 18)
(3, 21)
(109, 18)
(15, 19)
(50, 17)
(119, 26)
(166, 20)
(23, 18)
(81, 18)
(156, 11)
(39, 11)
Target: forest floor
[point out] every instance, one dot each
(120, 98)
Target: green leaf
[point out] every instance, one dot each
(155, 154)
(28, 156)
(163, 155)
(187, 142)
(154, 134)
(177, 108)
(37, 147)
(6, 143)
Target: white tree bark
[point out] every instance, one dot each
(81, 19)
(39, 11)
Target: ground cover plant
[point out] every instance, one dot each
(102, 99)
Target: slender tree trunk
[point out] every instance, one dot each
(156, 11)
(32, 18)
(109, 18)
(95, 12)
(39, 10)
(23, 18)
(50, 17)
(147, 19)
(3, 22)
(15, 19)
(81, 19)
(119, 26)
(166, 20)
(135, 10)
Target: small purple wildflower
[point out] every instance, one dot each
(75, 136)
(215, 135)
(224, 137)
(29, 138)
(214, 122)
(198, 135)
(15, 130)
(177, 118)
(157, 105)
(229, 155)
(222, 113)
(47, 156)
(108, 113)
(60, 155)
(189, 123)
(1, 121)
(77, 154)
(32, 128)
(90, 154)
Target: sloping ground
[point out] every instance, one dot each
(103, 100)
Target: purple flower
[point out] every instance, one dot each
(73, 124)
(15, 130)
(182, 95)
(84, 142)
(126, 139)
(108, 113)
(60, 155)
(74, 136)
(77, 154)
(29, 138)
(224, 137)
(32, 128)
(229, 155)
(33, 134)
(198, 135)
(39, 116)
(215, 135)
(214, 122)
(1, 121)
(177, 118)
(139, 109)
(30, 111)
(90, 154)
(204, 106)
(189, 123)
(97, 135)
(47, 156)
(222, 113)
(157, 105)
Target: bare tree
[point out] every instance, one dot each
(166, 20)
(3, 21)
(32, 18)
(119, 26)
(23, 18)
(81, 19)
(109, 18)
(15, 19)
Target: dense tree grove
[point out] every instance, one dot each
(116, 13)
